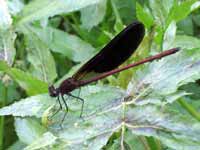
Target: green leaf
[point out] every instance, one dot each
(193, 88)
(173, 130)
(147, 120)
(168, 5)
(159, 34)
(153, 143)
(134, 142)
(15, 6)
(8, 92)
(196, 19)
(3, 66)
(40, 57)
(7, 47)
(38, 9)
(44, 141)
(169, 35)
(144, 16)
(31, 106)
(186, 42)
(30, 84)
(5, 18)
(68, 45)
(186, 26)
(93, 15)
(118, 23)
(126, 10)
(35, 105)
(28, 130)
(195, 5)
(17, 146)
(158, 82)
(159, 11)
(169, 127)
(180, 10)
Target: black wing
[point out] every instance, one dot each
(115, 52)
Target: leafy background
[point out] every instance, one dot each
(153, 106)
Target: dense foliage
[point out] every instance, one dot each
(151, 107)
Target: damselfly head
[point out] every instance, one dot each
(53, 92)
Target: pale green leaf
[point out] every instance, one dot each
(93, 15)
(38, 9)
(62, 42)
(159, 11)
(134, 142)
(195, 5)
(47, 139)
(28, 130)
(35, 105)
(186, 26)
(15, 6)
(173, 130)
(7, 47)
(40, 57)
(169, 35)
(5, 18)
(186, 42)
(169, 127)
(126, 11)
(31, 106)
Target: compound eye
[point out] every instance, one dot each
(52, 91)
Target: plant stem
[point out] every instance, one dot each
(123, 127)
(73, 17)
(153, 143)
(4, 99)
(189, 109)
(116, 12)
